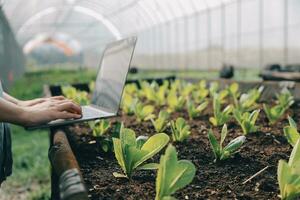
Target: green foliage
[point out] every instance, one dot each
(288, 175)
(248, 101)
(128, 104)
(246, 120)
(160, 124)
(200, 93)
(132, 152)
(220, 116)
(291, 133)
(226, 152)
(131, 89)
(284, 101)
(80, 97)
(180, 129)
(148, 90)
(193, 110)
(187, 89)
(143, 112)
(99, 127)
(173, 174)
(175, 102)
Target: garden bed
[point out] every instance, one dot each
(212, 181)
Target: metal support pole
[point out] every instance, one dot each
(186, 44)
(261, 34)
(239, 32)
(223, 20)
(208, 38)
(286, 33)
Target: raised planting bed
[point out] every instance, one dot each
(234, 178)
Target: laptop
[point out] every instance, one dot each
(109, 85)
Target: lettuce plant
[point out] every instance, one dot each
(291, 133)
(99, 127)
(160, 124)
(284, 101)
(132, 152)
(200, 93)
(173, 174)
(220, 116)
(180, 129)
(131, 89)
(223, 153)
(288, 175)
(248, 101)
(246, 120)
(175, 102)
(193, 110)
(188, 88)
(143, 112)
(80, 97)
(161, 94)
(128, 104)
(147, 90)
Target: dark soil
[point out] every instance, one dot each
(212, 181)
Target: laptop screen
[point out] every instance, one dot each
(112, 74)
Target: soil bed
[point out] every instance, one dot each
(212, 181)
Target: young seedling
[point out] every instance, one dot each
(188, 88)
(161, 92)
(132, 152)
(248, 101)
(193, 110)
(201, 92)
(143, 112)
(99, 127)
(172, 174)
(175, 103)
(128, 104)
(246, 120)
(160, 124)
(284, 101)
(291, 133)
(226, 152)
(80, 97)
(131, 89)
(220, 116)
(288, 175)
(180, 129)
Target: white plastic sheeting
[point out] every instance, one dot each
(176, 34)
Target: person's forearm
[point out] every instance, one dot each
(11, 113)
(10, 98)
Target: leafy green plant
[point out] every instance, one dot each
(220, 116)
(248, 101)
(188, 88)
(132, 152)
(128, 104)
(226, 152)
(99, 127)
(175, 102)
(288, 175)
(80, 97)
(160, 124)
(246, 120)
(193, 110)
(148, 90)
(200, 93)
(173, 174)
(143, 112)
(180, 129)
(291, 133)
(284, 101)
(131, 89)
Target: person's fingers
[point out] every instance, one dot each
(66, 115)
(69, 106)
(58, 98)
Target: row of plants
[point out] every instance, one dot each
(227, 104)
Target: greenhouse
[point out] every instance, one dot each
(149, 99)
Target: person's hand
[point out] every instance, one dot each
(49, 110)
(38, 101)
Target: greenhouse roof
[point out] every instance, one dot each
(88, 21)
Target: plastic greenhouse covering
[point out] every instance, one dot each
(173, 34)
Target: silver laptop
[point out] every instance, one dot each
(109, 84)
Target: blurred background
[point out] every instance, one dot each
(61, 41)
